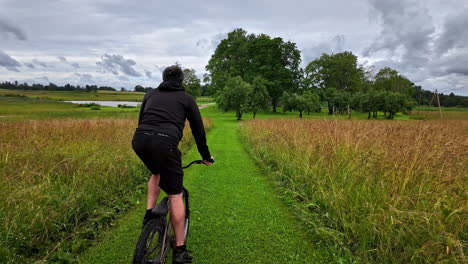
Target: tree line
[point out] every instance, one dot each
(249, 72)
(52, 87)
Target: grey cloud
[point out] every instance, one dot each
(85, 78)
(333, 45)
(187, 31)
(123, 78)
(202, 43)
(407, 26)
(451, 64)
(40, 63)
(29, 65)
(148, 74)
(64, 60)
(454, 33)
(7, 28)
(211, 43)
(44, 79)
(408, 35)
(160, 68)
(8, 62)
(116, 63)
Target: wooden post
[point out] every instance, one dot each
(438, 103)
(349, 112)
(419, 101)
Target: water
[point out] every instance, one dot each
(106, 103)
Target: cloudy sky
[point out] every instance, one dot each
(122, 43)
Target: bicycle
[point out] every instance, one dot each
(157, 237)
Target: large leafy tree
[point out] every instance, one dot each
(390, 80)
(251, 56)
(338, 71)
(229, 60)
(192, 83)
(234, 96)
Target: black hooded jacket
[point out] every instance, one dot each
(165, 110)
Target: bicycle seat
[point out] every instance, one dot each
(161, 209)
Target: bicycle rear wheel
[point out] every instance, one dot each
(151, 247)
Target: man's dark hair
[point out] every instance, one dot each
(173, 73)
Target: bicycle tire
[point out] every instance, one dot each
(154, 229)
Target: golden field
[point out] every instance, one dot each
(386, 192)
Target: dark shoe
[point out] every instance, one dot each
(180, 255)
(147, 217)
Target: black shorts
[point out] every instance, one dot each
(161, 156)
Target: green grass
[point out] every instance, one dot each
(236, 215)
(13, 109)
(435, 108)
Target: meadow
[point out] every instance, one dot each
(384, 192)
(375, 191)
(102, 95)
(15, 109)
(76, 95)
(66, 173)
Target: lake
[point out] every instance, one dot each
(106, 103)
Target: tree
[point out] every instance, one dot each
(251, 56)
(393, 103)
(312, 101)
(308, 102)
(276, 61)
(234, 96)
(229, 59)
(337, 71)
(207, 88)
(258, 99)
(370, 102)
(139, 88)
(390, 80)
(191, 83)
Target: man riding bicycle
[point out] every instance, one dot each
(160, 128)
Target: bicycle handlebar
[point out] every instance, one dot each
(194, 162)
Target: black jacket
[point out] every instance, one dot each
(165, 110)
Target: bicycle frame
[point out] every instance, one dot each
(166, 243)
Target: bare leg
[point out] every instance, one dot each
(178, 218)
(153, 191)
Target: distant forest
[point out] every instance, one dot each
(52, 87)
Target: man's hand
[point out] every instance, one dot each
(209, 162)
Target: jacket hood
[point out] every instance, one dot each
(171, 86)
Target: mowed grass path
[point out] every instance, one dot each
(236, 217)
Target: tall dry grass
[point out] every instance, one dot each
(385, 192)
(62, 180)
